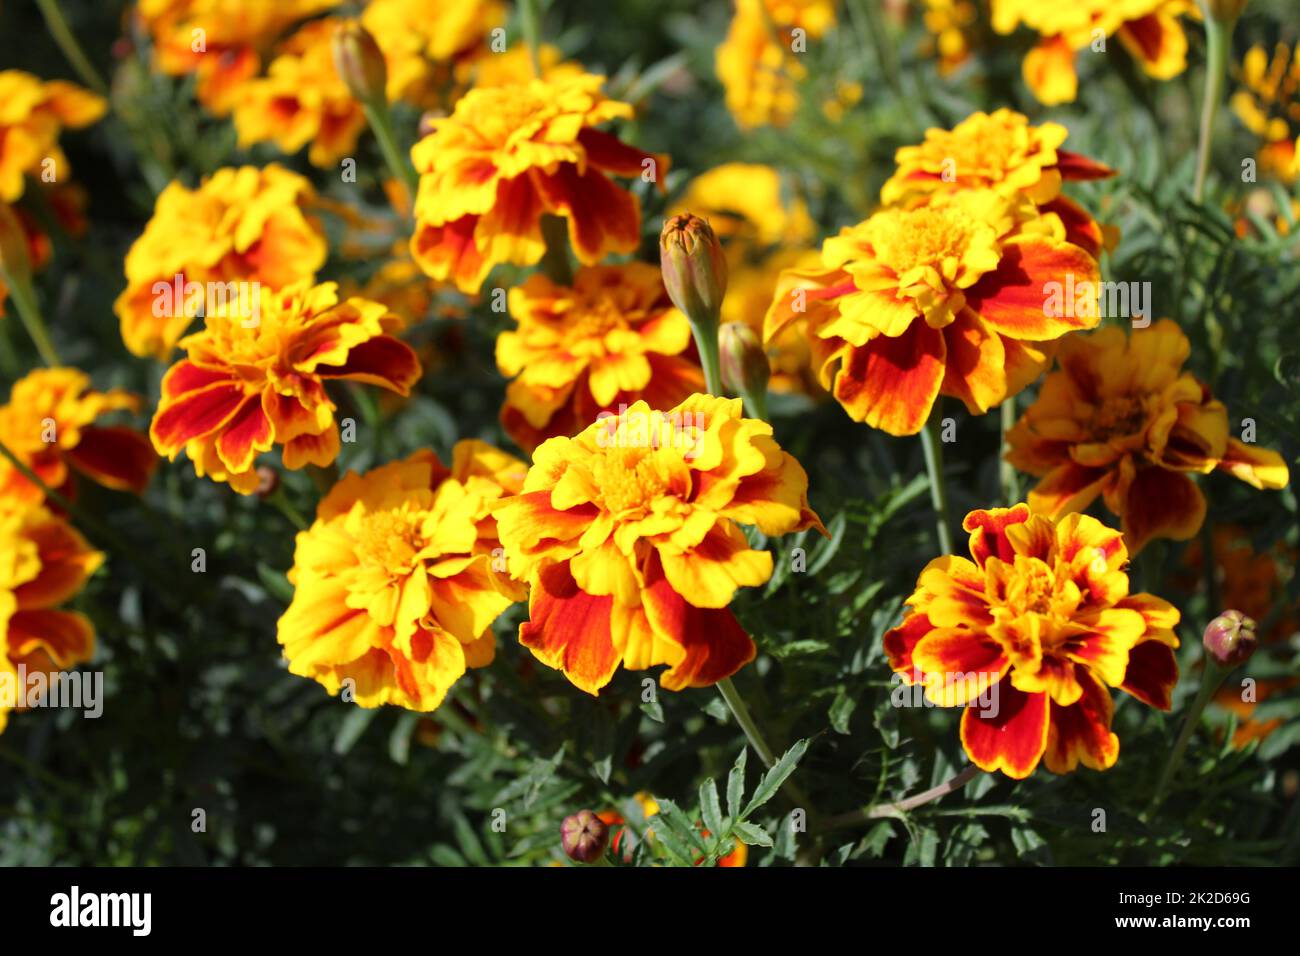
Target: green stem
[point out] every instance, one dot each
(736, 704)
(933, 448)
(900, 807)
(706, 342)
(63, 36)
(381, 123)
(29, 312)
(755, 403)
(555, 260)
(1217, 37)
(1211, 677)
(1007, 471)
(530, 19)
(286, 508)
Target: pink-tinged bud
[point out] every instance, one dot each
(359, 62)
(1230, 639)
(745, 369)
(14, 260)
(268, 481)
(695, 270)
(584, 837)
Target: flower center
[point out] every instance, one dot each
(629, 479)
(1119, 415)
(390, 539)
(906, 239)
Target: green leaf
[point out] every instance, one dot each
(736, 785)
(399, 741)
(711, 810)
(773, 779)
(680, 825)
(752, 835)
(840, 712)
(352, 727)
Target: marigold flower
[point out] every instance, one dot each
(1148, 29)
(247, 385)
(610, 339)
(1120, 419)
(241, 226)
(514, 67)
(49, 424)
(422, 39)
(399, 578)
(1268, 104)
(219, 41)
(1003, 152)
(44, 562)
(757, 63)
(629, 535)
(507, 156)
(302, 99)
(951, 24)
(1027, 635)
(32, 115)
(947, 298)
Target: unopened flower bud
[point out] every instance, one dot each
(695, 271)
(359, 62)
(745, 370)
(14, 261)
(584, 837)
(1230, 639)
(268, 481)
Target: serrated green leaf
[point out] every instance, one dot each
(752, 835)
(736, 784)
(711, 809)
(772, 780)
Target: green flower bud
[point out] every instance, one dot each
(359, 62)
(695, 271)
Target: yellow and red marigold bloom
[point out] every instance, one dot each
(610, 339)
(44, 562)
(425, 41)
(1003, 152)
(756, 63)
(241, 226)
(1148, 29)
(219, 41)
(302, 100)
(951, 25)
(32, 115)
(507, 156)
(248, 384)
(948, 298)
(1027, 635)
(629, 534)
(398, 580)
(49, 424)
(1268, 104)
(1121, 419)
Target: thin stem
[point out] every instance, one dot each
(381, 122)
(530, 20)
(555, 260)
(1006, 470)
(1211, 676)
(286, 508)
(1217, 35)
(706, 342)
(933, 448)
(878, 810)
(755, 403)
(29, 312)
(63, 36)
(736, 704)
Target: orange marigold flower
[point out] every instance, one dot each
(398, 580)
(507, 156)
(1120, 419)
(43, 563)
(758, 62)
(1003, 152)
(610, 339)
(301, 100)
(32, 115)
(219, 41)
(1268, 104)
(241, 226)
(948, 298)
(49, 424)
(250, 384)
(514, 67)
(1148, 29)
(629, 534)
(424, 40)
(952, 28)
(1027, 635)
